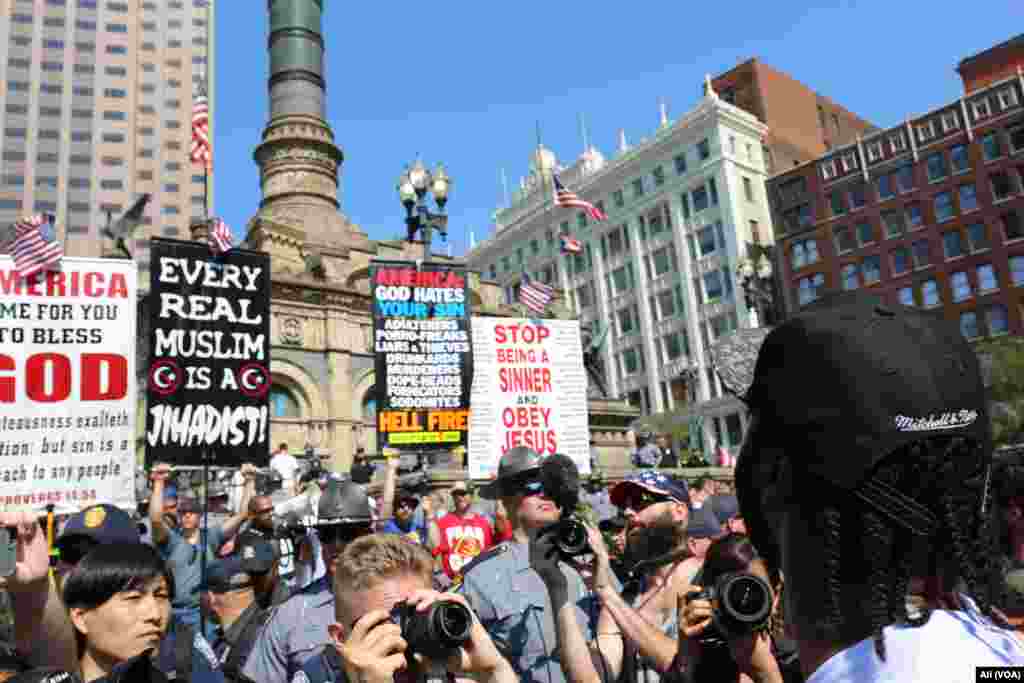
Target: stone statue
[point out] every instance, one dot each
(593, 337)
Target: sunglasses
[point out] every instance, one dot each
(331, 534)
(523, 487)
(641, 500)
(73, 550)
(406, 505)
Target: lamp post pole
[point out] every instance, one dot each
(413, 186)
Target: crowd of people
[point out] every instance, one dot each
(872, 536)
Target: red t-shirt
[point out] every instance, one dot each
(462, 539)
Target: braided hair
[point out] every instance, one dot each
(947, 475)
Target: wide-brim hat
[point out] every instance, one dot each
(515, 463)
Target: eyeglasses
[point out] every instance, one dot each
(641, 500)
(331, 534)
(74, 549)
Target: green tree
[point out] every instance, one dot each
(1004, 362)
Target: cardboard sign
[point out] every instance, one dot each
(67, 385)
(424, 358)
(529, 389)
(209, 356)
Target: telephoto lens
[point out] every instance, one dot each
(571, 538)
(436, 633)
(741, 604)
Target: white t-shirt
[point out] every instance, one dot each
(286, 465)
(945, 650)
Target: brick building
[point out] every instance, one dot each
(994, 64)
(929, 212)
(802, 124)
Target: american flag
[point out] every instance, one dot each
(33, 250)
(220, 236)
(535, 295)
(202, 148)
(564, 197)
(571, 245)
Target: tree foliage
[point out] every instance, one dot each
(1003, 361)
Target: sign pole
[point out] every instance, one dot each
(202, 539)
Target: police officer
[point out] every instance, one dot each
(647, 453)
(231, 595)
(297, 629)
(509, 597)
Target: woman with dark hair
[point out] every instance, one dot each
(118, 599)
(713, 654)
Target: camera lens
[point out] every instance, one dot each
(747, 599)
(572, 538)
(452, 622)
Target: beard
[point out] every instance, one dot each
(652, 542)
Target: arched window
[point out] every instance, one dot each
(370, 405)
(283, 403)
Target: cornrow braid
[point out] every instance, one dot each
(878, 542)
(937, 474)
(833, 564)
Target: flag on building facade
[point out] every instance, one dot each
(202, 147)
(535, 295)
(565, 198)
(35, 247)
(220, 236)
(571, 245)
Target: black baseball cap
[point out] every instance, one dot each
(45, 675)
(854, 382)
(703, 524)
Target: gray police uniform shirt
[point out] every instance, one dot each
(513, 605)
(295, 632)
(648, 456)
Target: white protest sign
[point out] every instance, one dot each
(67, 385)
(529, 389)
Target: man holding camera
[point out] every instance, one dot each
(297, 630)
(391, 626)
(509, 596)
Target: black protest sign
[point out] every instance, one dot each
(209, 356)
(424, 361)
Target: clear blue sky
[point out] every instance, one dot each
(465, 82)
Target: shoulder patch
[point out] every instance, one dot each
(202, 647)
(491, 552)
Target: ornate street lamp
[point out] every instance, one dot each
(413, 186)
(756, 280)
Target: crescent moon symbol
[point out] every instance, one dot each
(249, 382)
(159, 377)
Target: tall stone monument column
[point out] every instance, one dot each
(299, 162)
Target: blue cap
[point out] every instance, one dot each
(227, 574)
(703, 524)
(102, 523)
(724, 506)
(653, 482)
(170, 492)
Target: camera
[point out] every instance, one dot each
(741, 604)
(571, 538)
(435, 633)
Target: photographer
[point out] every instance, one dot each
(510, 598)
(716, 644)
(389, 624)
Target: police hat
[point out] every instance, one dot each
(515, 462)
(343, 502)
(103, 524)
(257, 553)
(227, 574)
